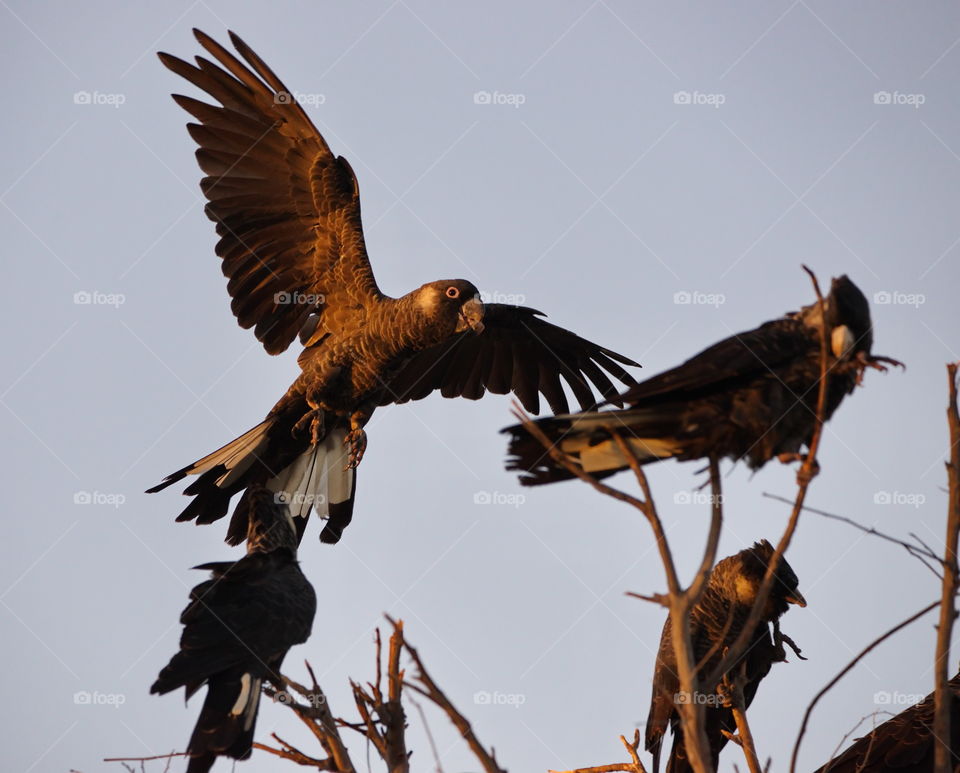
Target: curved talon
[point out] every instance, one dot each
(877, 362)
(357, 440)
(315, 419)
(803, 476)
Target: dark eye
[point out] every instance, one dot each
(453, 292)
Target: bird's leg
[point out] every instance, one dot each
(803, 476)
(780, 638)
(356, 438)
(313, 417)
(864, 361)
(725, 692)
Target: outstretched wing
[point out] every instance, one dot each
(287, 210)
(740, 357)
(517, 352)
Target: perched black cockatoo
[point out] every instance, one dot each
(752, 396)
(288, 215)
(238, 627)
(903, 744)
(715, 623)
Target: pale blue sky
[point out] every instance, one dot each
(597, 199)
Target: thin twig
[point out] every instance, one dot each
(851, 731)
(145, 759)
(635, 766)
(922, 552)
(290, 752)
(426, 728)
(433, 693)
(845, 670)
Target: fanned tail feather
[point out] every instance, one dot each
(586, 439)
(303, 476)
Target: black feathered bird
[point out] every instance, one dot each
(715, 623)
(752, 396)
(238, 627)
(288, 215)
(903, 744)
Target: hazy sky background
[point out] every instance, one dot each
(598, 199)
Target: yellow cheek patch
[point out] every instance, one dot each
(746, 590)
(428, 299)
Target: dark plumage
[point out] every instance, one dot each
(752, 396)
(715, 623)
(288, 215)
(238, 627)
(903, 744)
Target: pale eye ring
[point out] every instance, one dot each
(453, 292)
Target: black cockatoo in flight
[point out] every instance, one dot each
(287, 211)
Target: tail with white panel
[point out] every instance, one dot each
(228, 718)
(586, 439)
(304, 476)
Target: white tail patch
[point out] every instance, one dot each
(236, 456)
(339, 480)
(608, 456)
(317, 478)
(248, 700)
(241, 703)
(252, 705)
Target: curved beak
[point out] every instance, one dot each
(471, 316)
(796, 598)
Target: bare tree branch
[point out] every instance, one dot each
(141, 760)
(635, 766)
(922, 553)
(432, 692)
(846, 669)
(744, 738)
(942, 697)
(290, 752)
